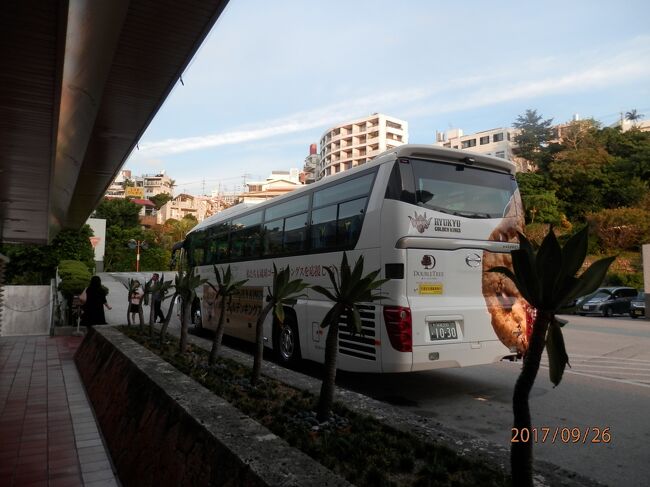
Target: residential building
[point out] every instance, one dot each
(357, 142)
(498, 142)
(278, 183)
(156, 184)
(183, 205)
(310, 169)
(117, 187)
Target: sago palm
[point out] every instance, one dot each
(225, 289)
(546, 278)
(349, 289)
(186, 283)
(284, 292)
(160, 288)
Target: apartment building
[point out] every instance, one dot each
(154, 184)
(183, 205)
(277, 184)
(310, 169)
(357, 142)
(498, 142)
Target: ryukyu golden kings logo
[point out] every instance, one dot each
(420, 222)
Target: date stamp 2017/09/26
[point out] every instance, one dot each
(561, 434)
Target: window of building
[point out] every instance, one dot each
(468, 143)
(497, 137)
(484, 140)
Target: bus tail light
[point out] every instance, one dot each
(399, 327)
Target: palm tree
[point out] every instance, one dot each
(225, 289)
(284, 292)
(633, 116)
(349, 290)
(546, 279)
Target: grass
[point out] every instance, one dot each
(358, 448)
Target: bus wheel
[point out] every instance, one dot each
(286, 342)
(196, 314)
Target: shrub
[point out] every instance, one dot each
(634, 279)
(75, 276)
(621, 228)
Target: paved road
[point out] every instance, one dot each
(608, 386)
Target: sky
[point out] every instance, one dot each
(272, 77)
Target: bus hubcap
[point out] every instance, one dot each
(286, 342)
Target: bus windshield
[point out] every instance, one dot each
(462, 190)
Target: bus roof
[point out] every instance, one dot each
(407, 150)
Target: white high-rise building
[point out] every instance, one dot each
(357, 142)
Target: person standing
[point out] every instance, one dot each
(93, 301)
(156, 299)
(134, 301)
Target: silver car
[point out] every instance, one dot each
(637, 306)
(608, 301)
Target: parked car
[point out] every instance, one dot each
(637, 306)
(607, 301)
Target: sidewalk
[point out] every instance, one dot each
(48, 433)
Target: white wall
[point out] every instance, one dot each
(27, 310)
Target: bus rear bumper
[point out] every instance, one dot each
(464, 354)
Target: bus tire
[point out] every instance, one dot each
(197, 320)
(286, 341)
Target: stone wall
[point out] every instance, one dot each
(163, 428)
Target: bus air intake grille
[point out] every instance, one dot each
(359, 345)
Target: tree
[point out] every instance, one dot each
(160, 288)
(36, 264)
(349, 289)
(546, 279)
(539, 198)
(160, 199)
(533, 138)
(225, 290)
(283, 293)
(119, 212)
(621, 228)
(178, 229)
(185, 284)
(633, 116)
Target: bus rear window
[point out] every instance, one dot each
(462, 190)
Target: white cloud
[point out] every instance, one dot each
(547, 76)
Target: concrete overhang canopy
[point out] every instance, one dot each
(80, 82)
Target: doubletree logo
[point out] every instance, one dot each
(428, 262)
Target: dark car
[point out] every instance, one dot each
(637, 306)
(607, 301)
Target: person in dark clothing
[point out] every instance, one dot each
(156, 299)
(93, 300)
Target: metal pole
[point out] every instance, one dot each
(137, 257)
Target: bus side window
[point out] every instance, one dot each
(323, 227)
(295, 233)
(350, 221)
(273, 237)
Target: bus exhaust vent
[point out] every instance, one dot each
(359, 345)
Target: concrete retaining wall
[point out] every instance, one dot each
(26, 310)
(163, 428)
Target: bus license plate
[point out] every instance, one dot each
(443, 330)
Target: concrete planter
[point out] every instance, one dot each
(163, 428)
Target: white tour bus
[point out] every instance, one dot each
(433, 220)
